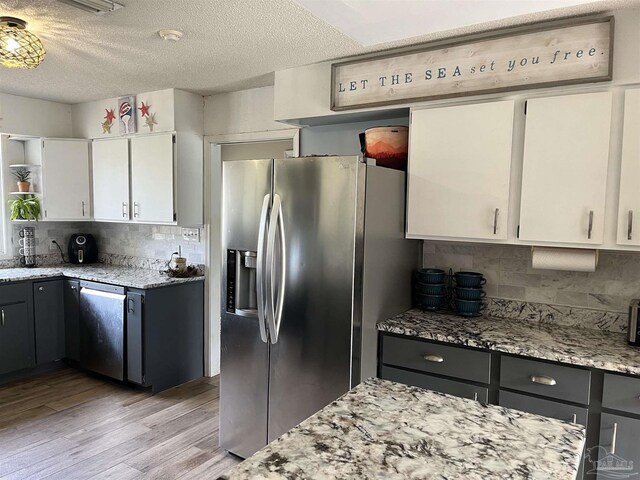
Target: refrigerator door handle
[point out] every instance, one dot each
(274, 312)
(260, 273)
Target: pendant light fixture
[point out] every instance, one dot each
(19, 48)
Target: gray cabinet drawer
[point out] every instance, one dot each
(619, 451)
(436, 358)
(546, 408)
(621, 393)
(13, 293)
(459, 389)
(571, 384)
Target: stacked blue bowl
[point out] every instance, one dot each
(429, 288)
(469, 294)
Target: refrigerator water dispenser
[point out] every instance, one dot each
(241, 283)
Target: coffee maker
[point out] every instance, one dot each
(82, 248)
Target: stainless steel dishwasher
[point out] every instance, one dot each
(102, 328)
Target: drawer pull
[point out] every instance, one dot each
(574, 418)
(432, 357)
(3, 317)
(543, 380)
(475, 396)
(613, 438)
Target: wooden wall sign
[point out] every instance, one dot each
(537, 56)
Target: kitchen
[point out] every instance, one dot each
(151, 196)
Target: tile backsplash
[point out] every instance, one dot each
(151, 244)
(507, 268)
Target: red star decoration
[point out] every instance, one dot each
(110, 116)
(144, 109)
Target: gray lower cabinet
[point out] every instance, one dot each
(546, 379)
(618, 455)
(16, 337)
(48, 304)
(546, 408)
(72, 319)
(135, 338)
(435, 366)
(429, 382)
(431, 357)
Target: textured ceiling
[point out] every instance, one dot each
(228, 45)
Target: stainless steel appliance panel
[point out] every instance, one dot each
(102, 317)
(389, 259)
(312, 356)
(244, 357)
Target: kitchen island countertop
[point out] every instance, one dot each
(116, 275)
(572, 345)
(384, 430)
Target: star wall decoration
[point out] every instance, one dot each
(144, 109)
(150, 121)
(110, 116)
(106, 126)
(108, 120)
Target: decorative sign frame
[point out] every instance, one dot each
(543, 55)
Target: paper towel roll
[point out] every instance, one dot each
(573, 259)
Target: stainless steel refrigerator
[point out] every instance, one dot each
(314, 255)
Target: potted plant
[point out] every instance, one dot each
(23, 175)
(25, 208)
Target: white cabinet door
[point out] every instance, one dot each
(65, 172)
(459, 171)
(564, 178)
(111, 179)
(629, 202)
(152, 182)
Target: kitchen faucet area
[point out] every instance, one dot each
(319, 239)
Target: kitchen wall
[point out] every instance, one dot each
(31, 116)
(509, 275)
(341, 139)
(149, 244)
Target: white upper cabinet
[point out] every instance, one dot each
(629, 201)
(111, 179)
(65, 171)
(459, 171)
(564, 178)
(152, 178)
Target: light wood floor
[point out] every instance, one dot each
(72, 425)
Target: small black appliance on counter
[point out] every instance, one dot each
(634, 324)
(82, 248)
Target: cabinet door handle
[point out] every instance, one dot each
(124, 209)
(475, 396)
(630, 225)
(41, 289)
(590, 229)
(543, 380)
(136, 207)
(83, 208)
(495, 221)
(574, 418)
(2, 321)
(614, 437)
(432, 357)
(73, 287)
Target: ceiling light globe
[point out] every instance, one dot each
(19, 48)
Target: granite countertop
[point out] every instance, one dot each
(385, 430)
(124, 276)
(577, 346)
